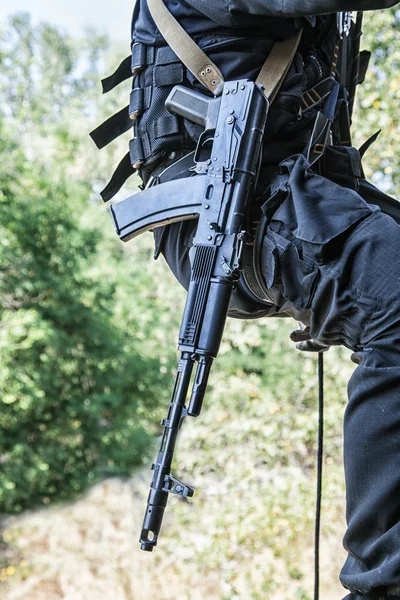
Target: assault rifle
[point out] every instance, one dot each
(219, 195)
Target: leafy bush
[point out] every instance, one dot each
(73, 379)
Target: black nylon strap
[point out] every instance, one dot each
(168, 74)
(165, 56)
(344, 122)
(355, 61)
(122, 73)
(365, 56)
(319, 138)
(148, 92)
(317, 94)
(322, 127)
(111, 128)
(362, 150)
(166, 126)
(123, 171)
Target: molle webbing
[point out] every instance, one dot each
(185, 48)
(111, 128)
(168, 70)
(123, 171)
(152, 69)
(122, 73)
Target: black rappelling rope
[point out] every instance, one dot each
(319, 471)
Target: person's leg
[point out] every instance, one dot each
(368, 270)
(372, 468)
(336, 261)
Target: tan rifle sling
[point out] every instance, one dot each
(270, 77)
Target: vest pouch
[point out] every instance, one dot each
(312, 211)
(342, 165)
(156, 128)
(295, 276)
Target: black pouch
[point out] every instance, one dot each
(285, 267)
(155, 127)
(342, 165)
(313, 208)
(307, 217)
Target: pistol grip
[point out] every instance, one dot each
(194, 106)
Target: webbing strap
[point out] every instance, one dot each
(122, 73)
(185, 48)
(123, 171)
(322, 127)
(111, 128)
(277, 65)
(318, 94)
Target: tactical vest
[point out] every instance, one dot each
(161, 137)
(238, 52)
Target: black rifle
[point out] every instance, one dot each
(220, 196)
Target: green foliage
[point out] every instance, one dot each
(76, 344)
(377, 106)
(51, 92)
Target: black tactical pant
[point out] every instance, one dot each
(332, 261)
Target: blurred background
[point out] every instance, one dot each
(88, 330)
